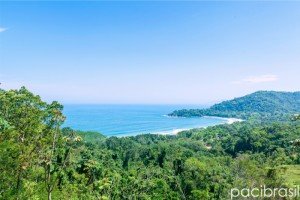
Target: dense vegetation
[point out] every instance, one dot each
(261, 105)
(40, 160)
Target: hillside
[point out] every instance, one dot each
(41, 160)
(261, 104)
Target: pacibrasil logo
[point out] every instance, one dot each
(265, 192)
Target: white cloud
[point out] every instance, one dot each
(2, 29)
(258, 79)
(261, 79)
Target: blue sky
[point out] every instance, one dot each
(149, 52)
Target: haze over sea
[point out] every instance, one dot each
(129, 120)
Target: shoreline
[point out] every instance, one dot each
(230, 120)
(174, 132)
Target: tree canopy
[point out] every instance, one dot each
(261, 105)
(41, 160)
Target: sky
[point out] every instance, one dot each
(149, 52)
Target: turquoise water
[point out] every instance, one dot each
(124, 120)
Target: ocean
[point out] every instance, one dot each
(129, 120)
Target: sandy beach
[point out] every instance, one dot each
(176, 131)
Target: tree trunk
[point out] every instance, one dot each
(49, 195)
(18, 185)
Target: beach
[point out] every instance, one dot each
(131, 120)
(176, 131)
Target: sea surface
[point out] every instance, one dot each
(128, 120)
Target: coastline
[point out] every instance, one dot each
(230, 120)
(178, 130)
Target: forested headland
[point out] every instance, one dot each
(41, 160)
(260, 106)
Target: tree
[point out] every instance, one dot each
(25, 113)
(30, 135)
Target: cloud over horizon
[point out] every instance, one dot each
(258, 79)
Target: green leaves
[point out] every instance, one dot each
(259, 106)
(39, 160)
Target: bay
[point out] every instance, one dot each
(129, 120)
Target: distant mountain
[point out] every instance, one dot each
(261, 104)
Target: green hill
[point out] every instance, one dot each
(261, 104)
(41, 160)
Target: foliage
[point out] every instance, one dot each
(261, 105)
(41, 160)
